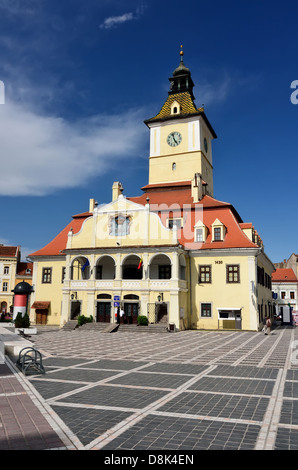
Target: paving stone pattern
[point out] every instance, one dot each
(181, 391)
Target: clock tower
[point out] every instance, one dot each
(180, 136)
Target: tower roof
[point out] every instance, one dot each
(181, 93)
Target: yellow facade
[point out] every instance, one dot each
(193, 154)
(48, 289)
(8, 270)
(234, 305)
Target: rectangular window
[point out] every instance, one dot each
(199, 235)
(5, 286)
(292, 295)
(233, 273)
(164, 272)
(205, 274)
(63, 274)
(46, 275)
(283, 294)
(206, 310)
(6, 270)
(217, 234)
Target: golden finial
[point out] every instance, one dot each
(181, 52)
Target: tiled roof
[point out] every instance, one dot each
(284, 275)
(9, 250)
(188, 108)
(22, 269)
(185, 101)
(177, 202)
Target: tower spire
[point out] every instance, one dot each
(181, 80)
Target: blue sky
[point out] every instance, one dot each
(81, 77)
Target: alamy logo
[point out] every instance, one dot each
(294, 94)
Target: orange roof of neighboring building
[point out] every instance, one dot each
(23, 269)
(9, 250)
(284, 275)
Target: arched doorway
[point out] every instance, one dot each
(131, 309)
(103, 308)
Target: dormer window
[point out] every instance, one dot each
(175, 108)
(200, 232)
(218, 231)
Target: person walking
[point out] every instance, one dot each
(268, 326)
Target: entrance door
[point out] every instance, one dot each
(41, 316)
(75, 309)
(162, 312)
(131, 311)
(103, 312)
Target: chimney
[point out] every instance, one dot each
(91, 205)
(197, 187)
(117, 189)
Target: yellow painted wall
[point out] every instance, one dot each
(219, 293)
(48, 292)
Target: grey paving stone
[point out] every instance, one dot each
(80, 375)
(200, 434)
(116, 396)
(230, 385)
(88, 424)
(152, 380)
(49, 389)
(114, 364)
(223, 406)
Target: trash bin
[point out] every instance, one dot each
(172, 327)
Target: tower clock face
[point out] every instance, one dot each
(174, 139)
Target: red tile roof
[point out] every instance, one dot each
(23, 267)
(175, 200)
(284, 275)
(11, 251)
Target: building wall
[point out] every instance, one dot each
(7, 281)
(48, 291)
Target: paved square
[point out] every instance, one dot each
(190, 390)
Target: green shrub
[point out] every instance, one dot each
(82, 320)
(18, 323)
(142, 320)
(26, 321)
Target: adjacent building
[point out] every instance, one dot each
(285, 290)
(12, 271)
(173, 253)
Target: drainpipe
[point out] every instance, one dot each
(190, 291)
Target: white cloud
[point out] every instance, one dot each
(40, 154)
(15, 7)
(116, 20)
(113, 21)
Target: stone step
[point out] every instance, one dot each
(70, 325)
